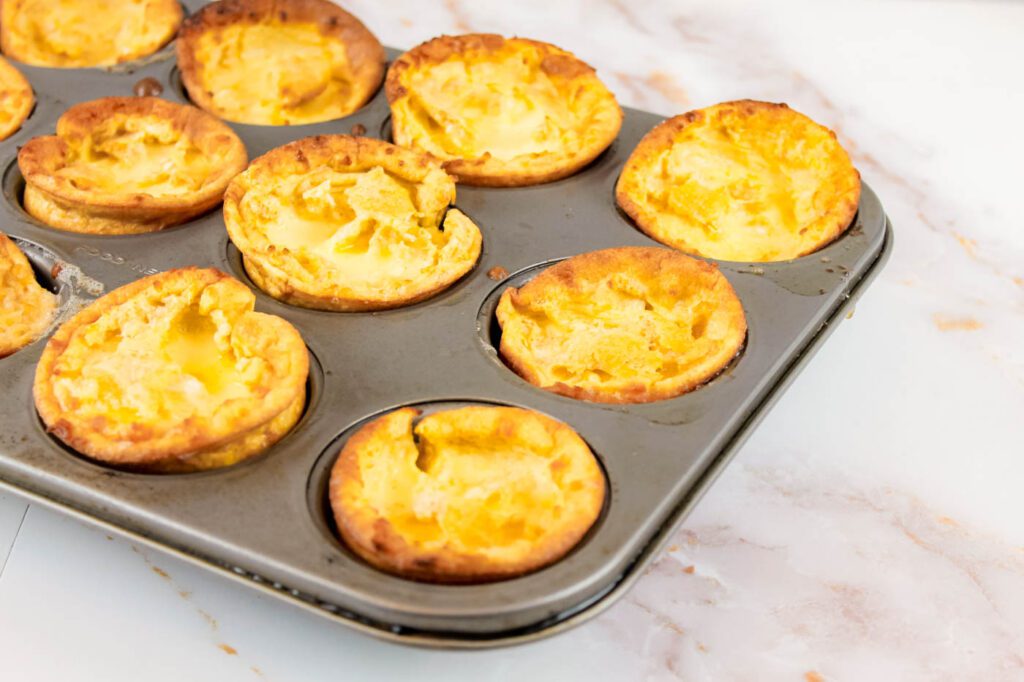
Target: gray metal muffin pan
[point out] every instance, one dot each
(266, 522)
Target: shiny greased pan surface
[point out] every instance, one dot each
(266, 520)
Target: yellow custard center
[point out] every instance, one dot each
(73, 33)
(505, 104)
(368, 228)
(161, 358)
(471, 482)
(137, 154)
(622, 331)
(752, 189)
(276, 73)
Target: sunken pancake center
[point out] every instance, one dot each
(369, 224)
(305, 75)
(503, 107)
(137, 154)
(452, 488)
(80, 33)
(347, 223)
(173, 360)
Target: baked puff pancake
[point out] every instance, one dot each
(278, 62)
(126, 165)
(741, 181)
(173, 372)
(348, 223)
(500, 112)
(81, 33)
(16, 99)
(622, 325)
(26, 308)
(465, 495)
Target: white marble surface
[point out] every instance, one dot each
(872, 529)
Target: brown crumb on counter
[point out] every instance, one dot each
(228, 649)
(358, 129)
(689, 569)
(497, 273)
(812, 676)
(56, 269)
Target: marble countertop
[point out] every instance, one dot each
(871, 529)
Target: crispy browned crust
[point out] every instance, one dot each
(373, 537)
(365, 53)
(273, 269)
(662, 137)
(16, 98)
(170, 10)
(59, 203)
(143, 443)
(576, 277)
(245, 446)
(485, 171)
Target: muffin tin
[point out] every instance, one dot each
(266, 522)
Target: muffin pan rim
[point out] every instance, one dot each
(481, 615)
